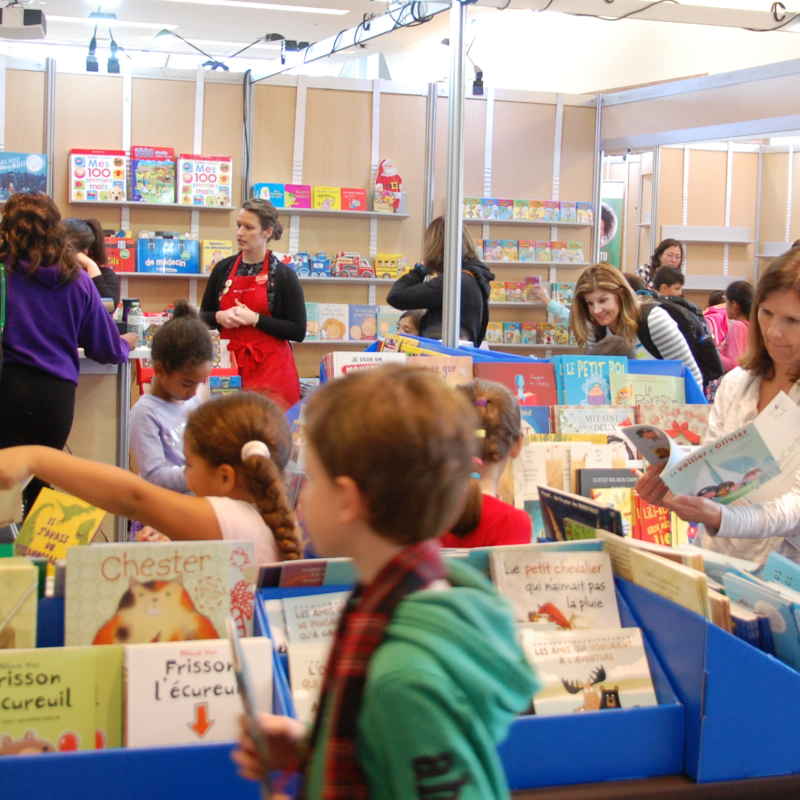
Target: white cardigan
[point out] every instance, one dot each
(751, 532)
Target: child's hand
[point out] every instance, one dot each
(148, 534)
(284, 740)
(15, 466)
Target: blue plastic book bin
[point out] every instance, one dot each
(741, 704)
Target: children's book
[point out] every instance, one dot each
(558, 252)
(327, 198)
(777, 569)
(22, 172)
(536, 210)
(568, 211)
(152, 178)
(542, 252)
(497, 292)
(363, 322)
(532, 384)
(590, 479)
(489, 208)
(683, 585)
(212, 251)
(591, 419)
(19, 584)
(561, 509)
(619, 549)
(521, 209)
(574, 253)
(47, 700)
(584, 213)
(186, 693)
(205, 180)
(512, 333)
(651, 523)
(620, 499)
(56, 522)
(297, 195)
(628, 389)
(505, 209)
(535, 419)
(333, 321)
(494, 333)
(98, 176)
(582, 671)
(528, 333)
(455, 370)
(388, 318)
(753, 464)
(527, 251)
(560, 590)
(509, 250)
(274, 192)
(492, 250)
(551, 210)
(514, 290)
(340, 363)
(354, 199)
(585, 380)
(157, 592)
(472, 208)
(685, 423)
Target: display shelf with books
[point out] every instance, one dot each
(539, 222)
(185, 275)
(515, 304)
(535, 263)
(136, 204)
(322, 212)
(351, 281)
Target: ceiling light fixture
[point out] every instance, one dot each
(212, 62)
(91, 58)
(112, 66)
(265, 6)
(111, 23)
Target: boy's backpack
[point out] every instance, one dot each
(694, 329)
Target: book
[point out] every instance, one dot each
(455, 370)
(532, 384)
(676, 582)
(584, 213)
(527, 251)
(535, 419)
(472, 208)
(56, 523)
(22, 172)
(597, 478)
(297, 195)
(503, 209)
(521, 209)
(595, 419)
(628, 389)
(152, 174)
(328, 198)
(363, 322)
(274, 192)
(388, 318)
(186, 693)
(560, 590)
(353, 199)
(492, 250)
(512, 333)
(745, 624)
(536, 210)
(489, 208)
(121, 253)
(312, 322)
(558, 506)
(619, 549)
(205, 180)
(574, 253)
(19, 584)
(514, 291)
(157, 592)
(651, 523)
(108, 678)
(542, 252)
(494, 333)
(340, 363)
(212, 251)
(618, 498)
(528, 333)
(509, 250)
(585, 380)
(333, 321)
(497, 292)
(568, 211)
(685, 423)
(720, 608)
(551, 210)
(47, 700)
(588, 670)
(777, 569)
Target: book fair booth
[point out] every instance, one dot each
(547, 185)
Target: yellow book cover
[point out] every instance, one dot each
(396, 342)
(683, 585)
(328, 198)
(19, 581)
(56, 522)
(212, 251)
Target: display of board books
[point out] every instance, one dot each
(205, 180)
(586, 380)
(340, 363)
(532, 384)
(98, 176)
(22, 172)
(152, 174)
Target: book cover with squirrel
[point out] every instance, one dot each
(186, 693)
(19, 583)
(588, 670)
(157, 592)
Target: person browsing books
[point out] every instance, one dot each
(771, 365)
(86, 236)
(258, 305)
(181, 353)
(423, 287)
(52, 310)
(236, 447)
(487, 520)
(668, 253)
(425, 673)
(604, 303)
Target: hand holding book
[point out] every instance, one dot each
(286, 741)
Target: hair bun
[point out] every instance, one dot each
(184, 309)
(277, 230)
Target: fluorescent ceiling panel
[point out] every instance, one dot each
(110, 22)
(264, 6)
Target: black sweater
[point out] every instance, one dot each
(107, 283)
(286, 300)
(413, 291)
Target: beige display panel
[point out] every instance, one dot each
(24, 112)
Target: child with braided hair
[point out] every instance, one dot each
(236, 447)
(487, 520)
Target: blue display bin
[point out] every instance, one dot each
(741, 704)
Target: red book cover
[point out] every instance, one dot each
(532, 384)
(354, 200)
(651, 523)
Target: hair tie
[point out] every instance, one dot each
(482, 401)
(254, 448)
(475, 475)
(477, 461)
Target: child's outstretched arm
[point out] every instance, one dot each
(116, 490)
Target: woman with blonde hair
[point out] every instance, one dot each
(423, 287)
(604, 304)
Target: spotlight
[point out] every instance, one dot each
(91, 58)
(477, 84)
(113, 61)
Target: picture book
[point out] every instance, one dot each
(584, 213)
(535, 419)
(528, 333)
(628, 389)
(186, 693)
(157, 592)
(455, 370)
(542, 252)
(388, 317)
(313, 618)
(585, 380)
(98, 176)
(560, 590)
(354, 199)
(558, 252)
(472, 208)
(568, 211)
(514, 291)
(205, 180)
(593, 670)
(339, 363)
(618, 498)
(327, 198)
(297, 195)
(526, 250)
(685, 423)
(652, 523)
(681, 584)
(619, 549)
(108, 677)
(492, 250)
(22, 172)
(494, 333)
(558, 506)
(224, 384)
(521, 209)
(363, 322)
(213, 250)
(777, 569)
(19, 584)
(590, 419)
(536, 210)
(562, 292)
(512, 333)
(532, 384)
(152, 176)
(56, 522)
(497, 292)
(509, 250)
(594, 478)
(333, 321)
(312, 322)
(489, 208)
(505, 209)
(47, 700)
(574, 253)
(274, 192)
(121, 253)
(551, 210)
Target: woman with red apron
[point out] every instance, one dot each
(258, 304)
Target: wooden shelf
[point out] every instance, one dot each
(500, 346)
(321, 212)
(514, 304)
(185, 275)
(134, 204)
(547, 223)
(707, 234)
(535, 264)
(352, 281)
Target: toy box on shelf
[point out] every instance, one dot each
(205, 180)
(351, 265)
(98, 176)
(164, 255)
(121, 253)
(390, 265)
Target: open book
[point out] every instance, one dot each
(752, 464)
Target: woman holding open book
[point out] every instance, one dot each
(770, 365)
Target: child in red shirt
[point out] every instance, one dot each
(487, 520)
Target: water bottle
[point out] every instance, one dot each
(136, 320)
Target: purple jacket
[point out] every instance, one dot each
(47, 321)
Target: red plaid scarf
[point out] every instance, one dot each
(361, 630)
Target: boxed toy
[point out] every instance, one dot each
(388, 195)
(312, 322)
(472, 208)
(213, 250)
(120, 254)
(176, 256)
(527, 251)
(509, 250)
(22, 172)
(354, 200)
(543, 252)
(333, 321)
(327, 198)
(363, 322)
(494, 333)
(205, 180)
(297, 195)
(568, 211)
(97, 176)
(512, 333)
(152, 174)
(388, 317)
(584, 213)
(522, 209)
(224, 384)
(274, 192)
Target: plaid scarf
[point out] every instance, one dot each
(361, 630)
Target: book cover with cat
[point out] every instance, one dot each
(558, 590)
(158, 592)
(628, 389)
(19, 583)
(583, 671)
(186, 693)
(47, 700)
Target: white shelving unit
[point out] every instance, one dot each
(773, 249)
(534, 264)
(135, 204)
(541, 222)
(707, 234)
(513, 304)
(322, 212)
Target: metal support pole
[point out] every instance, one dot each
(757, 242)
(451, 316)
(430, 151)
(655, 182)
(49, 133)
(597, 175)
(247, 133)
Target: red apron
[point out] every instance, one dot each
(266, 364)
